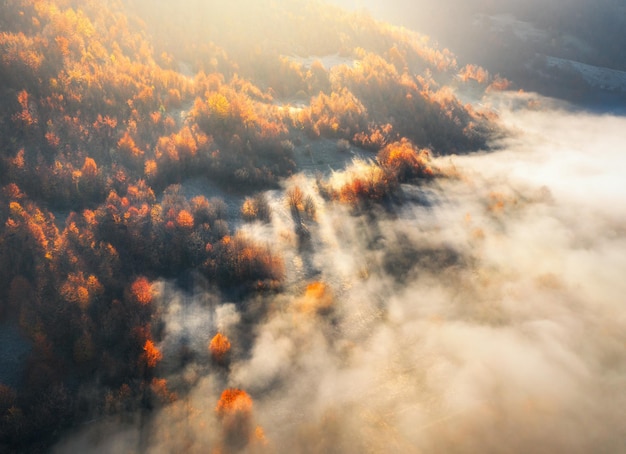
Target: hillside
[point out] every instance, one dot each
(286, 227)
(510, 38)
(136, 140)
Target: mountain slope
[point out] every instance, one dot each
(505, 36)
(112, 112)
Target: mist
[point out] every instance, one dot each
(484, 314)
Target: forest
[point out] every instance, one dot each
(108, 109)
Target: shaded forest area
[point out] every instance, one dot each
(107, 108)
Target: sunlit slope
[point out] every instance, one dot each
(109, 109)
(90, 81)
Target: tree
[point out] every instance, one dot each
(184, 220)
(256, 208)
(141, 291)
(151, 355)
(219, 348)
(234, 410)
(405, 162)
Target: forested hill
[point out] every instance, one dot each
(569, 49)
(108, 106)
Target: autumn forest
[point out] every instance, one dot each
(110, 109)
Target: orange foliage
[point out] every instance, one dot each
(259, 435)
(232, 401)
(165, 149)
(316, 290)
(140, 193)
(141, 291)
(243, 262)
(474, 72)
(200, 204)
(93, 113)
(151, 354)
(28, 114)
(375, 138)
(18, 160)
(19, 49)
(158, 386)
(256, 208)
(13, 191)
(80, 290)
(404, 161)
(185, 143)
(90, 169)
(184, 219)
(339, 115)
(248, 210)
(105, 123)
(295, 198)
(16, 209)
(127, 146)
(150, 168)
(499, 84)
(317, 298)
(219, 347)
(82, 295)
(52, 139)
(368, 183)
(235, 412)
